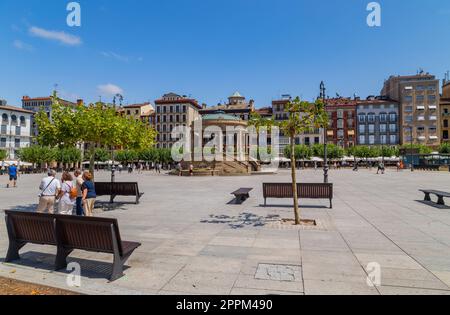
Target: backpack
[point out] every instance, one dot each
(73, 193)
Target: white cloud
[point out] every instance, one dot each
(18, 44)
(115, 56)
(58, 36)
(109, 89)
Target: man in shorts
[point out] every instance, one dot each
(12, 172)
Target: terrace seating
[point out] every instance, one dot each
(68, 233)
(118, 189)
(304, 191)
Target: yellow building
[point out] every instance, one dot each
(445, 111)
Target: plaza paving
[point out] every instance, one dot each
(194, 241)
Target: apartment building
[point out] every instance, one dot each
(237, 105)
(342, 116)
(378, 121)
(445, 111)
(144, 112)
(36, 104)
(15, 129)
(315, 136)
(173, 110)
(418, 97)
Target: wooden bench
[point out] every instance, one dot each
(304, 191)
(440, 194)
(118, 189)
(242, 194)
(68, 233)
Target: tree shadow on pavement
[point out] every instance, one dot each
(242, 220)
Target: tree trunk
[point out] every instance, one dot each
(294, 182)
(92, 162)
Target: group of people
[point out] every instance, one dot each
(73, 194)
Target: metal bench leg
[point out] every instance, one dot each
(427, 197)
(331, 203)
(13, 251)
(441, 201)
(61, 258)
(137, 198)
(265, 202)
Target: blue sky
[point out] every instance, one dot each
(211, 48)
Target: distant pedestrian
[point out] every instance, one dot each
(50, 188)
(179, 169)
(380, 168)
(191, 170)
(399, 166)
(79, 201)
(12, 172)
(67, 195)
(89, 194)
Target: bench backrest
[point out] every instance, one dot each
(88, 233)
(120, 189)
(31, 227)
(71, 232)
(304, 190)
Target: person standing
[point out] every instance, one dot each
(89, 194)
(50, 188)
(79, 201)
(66, 202)
(12, 172)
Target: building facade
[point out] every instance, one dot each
(237, 106)
(342, 117)
(378, 122)
(144, 112)
(173, 110)
(37, 104)
(279, 113)
(445, 111)
(418, 97)
(15, 130)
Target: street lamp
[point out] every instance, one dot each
(325, 146)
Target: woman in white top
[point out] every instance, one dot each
(66, 204)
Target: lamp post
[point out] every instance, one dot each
(325, 146)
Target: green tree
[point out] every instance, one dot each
(98, 125)
(68, 155)
(150, 155)
(444, 148)
(259, 122)
(302, 116)
(100, 155)
(3, 155)
(127, 156)
(38, 155)
(302, 152)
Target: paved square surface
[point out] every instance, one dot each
(196, 241)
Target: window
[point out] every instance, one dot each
(431, 88)
(128, 112)
(371, 128)
(393, 139)
(445, 135)
(371, 140)
(316, 140)
(362, 140)
(383, 128)
(432, 129)
(420, 98)
(340, 134)
(408, 99)
(362, 118)
(340, 124)
(184, 109)
(392, 128)
(340, 114)
(431, 99)
(3, 143)
(158, 109)
(22, 121)
(383, 117)
(17, 143)
(4, 130)
(18, 131)
(409, 109)
(446, 123)
(362, 128)
(4, 119)
(307, 141)
(383, 139)
(371, 118)
(420, 129)
(13, 120)
(433, 118)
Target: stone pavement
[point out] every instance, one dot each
(196, 242)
